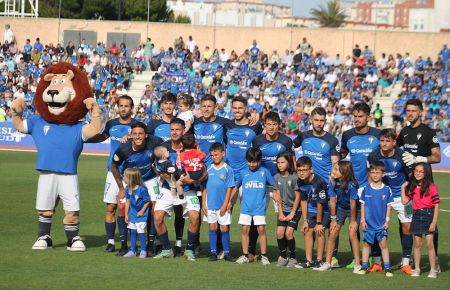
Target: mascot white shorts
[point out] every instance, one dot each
(53, 185)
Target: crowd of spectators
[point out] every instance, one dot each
(291, 83)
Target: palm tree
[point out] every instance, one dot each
(330, 16)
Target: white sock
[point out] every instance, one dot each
(405, 261)
(111, 241)
(377, 260)
(178, 243)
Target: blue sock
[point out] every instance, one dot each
(191, 240)
(133, 237)
(365, 265)
(123, 231)
(143, 241)
(110, 230)
(213, 241)
(164, 239)
(387, 265)
(226, 242)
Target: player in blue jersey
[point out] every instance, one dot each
(315, 211)
(161, 127)
(136, 210)
(344, 203)
(376, 199)
(395, 177)
(209, 128)
(137, 153)
(253, 203)
(359, 142)
(115, 129)
(317, 144)
(217, 201)
(240, 136)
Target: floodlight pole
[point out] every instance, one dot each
(292, 24)
(59, 19)
(148, 14)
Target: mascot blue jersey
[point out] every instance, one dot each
(116, 131)
(359, 147)
(59, 146)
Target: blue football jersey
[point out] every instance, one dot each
(116, 131)
(159, 128)
(359, 147)
(314, 192)
(219, 180)
(207, 133)
(137, 198)
(59, 145)
(395, 170)
(319, 150)
(126, 157)
(271, 149)
(375, 202)
(254, 184)
(239, 140)
(343, 195)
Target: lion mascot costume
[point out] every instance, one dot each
(63, 98)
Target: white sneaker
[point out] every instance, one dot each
(282, 262)
(221, 255)
(242, 260)
(43, 243)
(324, 267)
(292, 263)
(76, 245)
(437, 267)
(432, 274)
(334, 262)
(357, 269)
(415, 273)
(265, 261)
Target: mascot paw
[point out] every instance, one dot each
(18, 105)
(90, 103)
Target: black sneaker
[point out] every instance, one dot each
(177, 252)
(110, 248)
(317, 264)
(304, 265)
(122, 252)
(228, 258)
(150, 251)
(212, 257)
(158, 249)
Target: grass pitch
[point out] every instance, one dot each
(22, 268)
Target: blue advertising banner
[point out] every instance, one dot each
(11, 139)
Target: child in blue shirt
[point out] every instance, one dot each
(376, 199)
(217, 200)
(136, 210)
(254, 203)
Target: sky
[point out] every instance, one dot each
(301, 7)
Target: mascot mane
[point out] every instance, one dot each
(75, 109)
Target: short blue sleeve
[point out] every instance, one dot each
(230, 178)
(331, 191)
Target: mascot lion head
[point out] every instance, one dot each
(61, 92)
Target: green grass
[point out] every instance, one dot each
(22, 268)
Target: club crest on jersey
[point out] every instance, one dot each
(262, 173)
(289, 182)
(371, 140)
(222, 176)
(215, 127)
(247, 132)
(46, 128)
(395, 163)
(279, 147)
(383, 196)
(419, 135)
(322, 144)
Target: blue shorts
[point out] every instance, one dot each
(342, 215)
(312, 220)
(372, 236)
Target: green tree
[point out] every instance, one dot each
(99, 9)
(182, 19)
(137, 10)
(69, 8)
(330, 16)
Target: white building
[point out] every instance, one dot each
(435, 19)
(230, 12)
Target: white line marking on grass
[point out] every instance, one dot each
(445, 197)
(444, 210)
